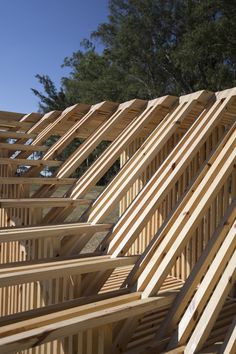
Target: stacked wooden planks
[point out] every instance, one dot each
(161, 277)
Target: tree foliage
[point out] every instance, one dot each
(150, 48)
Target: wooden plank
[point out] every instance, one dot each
(39, 272)
(28, 233)
(41, 202)
(40, 264)
(22, 147)
(16, 135)
(62, 311)
(37, 336)
(16, 318)
(37, 180)
(29, 162)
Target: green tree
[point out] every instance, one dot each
(151, 48)
(172, 46)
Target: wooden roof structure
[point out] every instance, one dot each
(161, 277)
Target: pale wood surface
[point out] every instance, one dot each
(158, 279)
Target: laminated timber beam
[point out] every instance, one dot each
(169, 289)
(192, 143)
(53, 236)
(41, 123)
(27, 134)
(154, 276)
(23, 123)
(183, 298)
(191, 310)
(49, 122)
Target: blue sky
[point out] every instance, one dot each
(35, 37)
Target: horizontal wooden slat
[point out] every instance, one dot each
(37, 180)
(27, 162)
(41, 202)
(16, 135)
(27, 233)
(22, 147)
(42, 271)
(104, 314)
(15, 124)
